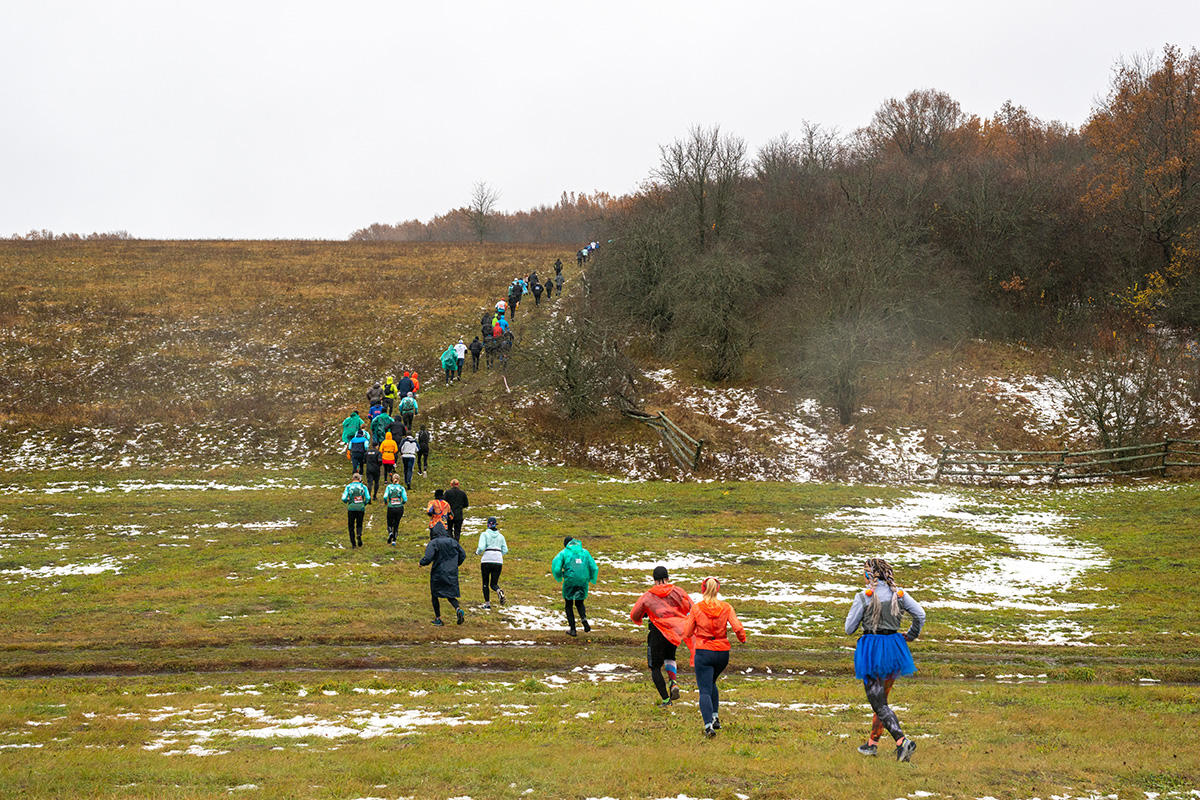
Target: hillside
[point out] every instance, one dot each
(184, 617)
(146, 354)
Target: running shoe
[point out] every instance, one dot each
(586, 628)
(716, 723)
(461, 615)
(663, 703)
(571, 632)
(501, 593)
(487, 606)
(868, 749)
(674, 691)
(710, 732)
(438, 621)
(904, 752)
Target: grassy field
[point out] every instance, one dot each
(183, 618)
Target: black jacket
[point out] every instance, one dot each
(403, 387)
(445, 555)
(476, 347)
(374, 462)
(457, 499)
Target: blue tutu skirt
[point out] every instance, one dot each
(883, 656)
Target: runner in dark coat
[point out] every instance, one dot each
(476, 347)
(457, 499)
(445, 554)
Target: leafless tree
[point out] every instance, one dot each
(481, 208)
(704, 169)
(1125, 386)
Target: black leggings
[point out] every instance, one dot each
(394, 515)
(660, 651)
(876, 687)
(354, 522)
(437, 607)
(491, 575)
(578, 603)
(423, 460)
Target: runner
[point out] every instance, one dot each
(492, 547)
(438, 511)
(667, 606)
(705, 627)
(575, 568)
(445, 555)
(394, 498)
(357, 498)
(882, 651)
(456, 498)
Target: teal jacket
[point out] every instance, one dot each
(350, 425)
(356, 496)
(408, 405)
(450, 358)
(394, 495)
(575, 568)
(379, 426)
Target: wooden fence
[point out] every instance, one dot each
(683, 448)
(1067, 465)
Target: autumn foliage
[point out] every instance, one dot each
(829, 256)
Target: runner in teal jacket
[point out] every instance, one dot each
(357, 497)
(575, 568)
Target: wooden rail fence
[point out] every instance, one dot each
(1070, 465)
(683, 449)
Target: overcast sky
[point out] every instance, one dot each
(310, 120)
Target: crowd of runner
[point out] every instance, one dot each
(373, 446)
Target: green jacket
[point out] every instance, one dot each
(379, 426)
(394, 495)
(575, 568)
(408, 405)
(450, 358)
(350, 425)
(356, 496)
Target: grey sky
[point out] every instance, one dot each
(309, 120)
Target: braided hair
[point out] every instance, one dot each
(877, 570)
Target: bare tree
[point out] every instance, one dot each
(1125, 387)
(704, 168)
(483, 205)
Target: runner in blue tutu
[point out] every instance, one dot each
(882, 652)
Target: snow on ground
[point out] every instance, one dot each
(196, 727)
(1034, 567)
(802, 441)
(106, 564)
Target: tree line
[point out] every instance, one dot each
(825, 255)
(574, 218)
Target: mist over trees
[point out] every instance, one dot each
(824, 258)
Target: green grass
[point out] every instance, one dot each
(781, 738)
(189, 371)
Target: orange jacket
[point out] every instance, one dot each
(388, 448)
(705, 626)
(667, 606)
(438, 511)
(416, 383)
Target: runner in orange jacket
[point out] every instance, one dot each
(706, 628)
(667, 606)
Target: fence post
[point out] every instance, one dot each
(1062, 462)
(937, 476)
(1166, 455)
